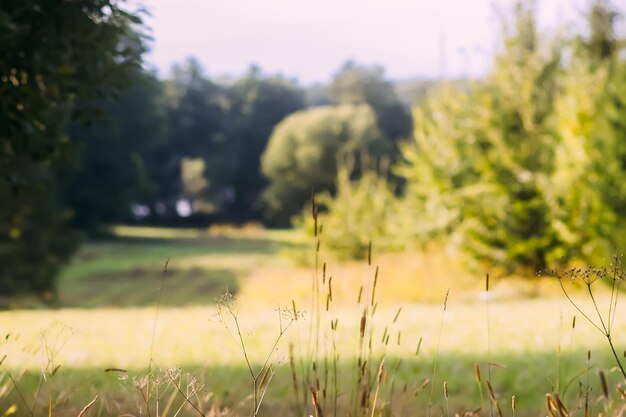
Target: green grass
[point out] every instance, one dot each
(126, 269)
(528, 383)
(124, 253)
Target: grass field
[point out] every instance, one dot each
(107, 319)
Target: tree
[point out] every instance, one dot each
(355, 84)
(112, 169)
(601, 43)
(55, 57)
(198, 128)
(258, 104)
(523, 168)
(481, 159)
(305, 149)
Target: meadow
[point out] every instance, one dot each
(109, 329)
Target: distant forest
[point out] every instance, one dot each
(189, 150)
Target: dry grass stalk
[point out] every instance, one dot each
(445, 395)
(477, 373)
(379, 378)
(605, 387)
(492, 395)
(88, 406)
(562, 409)
(470, 413)
(374, 287)
(498, 409)
(395, 318)
(551, 405)
(421, 387)
(318, 408)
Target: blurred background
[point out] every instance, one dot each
(446, 140)
(487, 129)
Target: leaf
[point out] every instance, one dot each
(66, 69)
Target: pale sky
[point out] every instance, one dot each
(309, 40)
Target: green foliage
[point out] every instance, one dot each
(55, 58)
(522, 169)
(305, 149)
(360, 212)
(355, 84)
(112, 170)
(601, 43)
(226, 127)
(259, 103)
(197, 126)
(35, 241)
(50, 56)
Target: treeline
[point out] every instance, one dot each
(523, 169)
(182, 151)
(189, 150)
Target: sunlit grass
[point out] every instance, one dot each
(526, 338)
(194, 335)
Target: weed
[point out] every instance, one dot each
(261, 376)
(614, 275)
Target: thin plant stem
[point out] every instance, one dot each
(488, 338)
(606, 327)
(432, 387)
(18, 390)
(186, 396)
(578, 308)
(607, 331)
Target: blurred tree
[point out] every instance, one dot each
(53, 55)
(510, 225)
(258, 105)
(35, 240)
(601, 43)
(305, 149)
(355, 84)
(112, 172)
(523, 167)
(197, 127)
(225, 126)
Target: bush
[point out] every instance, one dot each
(361, 212)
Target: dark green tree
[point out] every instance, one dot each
(197, 129)
(215, 136)
(112, 170)
(258, 104)
(54, 55)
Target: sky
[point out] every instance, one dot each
(309, 40)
